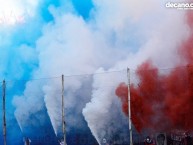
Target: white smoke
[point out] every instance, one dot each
(30, 103)
(71, 45)
(68, 46)
(97, 111)
(159, 28)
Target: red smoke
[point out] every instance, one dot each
(161, 102)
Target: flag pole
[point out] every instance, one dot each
(129, 107)
(63, 114)
(4, 117)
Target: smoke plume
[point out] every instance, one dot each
(162, 101)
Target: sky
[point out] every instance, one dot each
(90, 42)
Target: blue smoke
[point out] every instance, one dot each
(18, 62)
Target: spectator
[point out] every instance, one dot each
(27, 141)
(161, 139)
(148, 141)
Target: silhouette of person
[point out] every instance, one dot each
(160, 139)
(27, 141)
(188, 139)
(148, 141)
